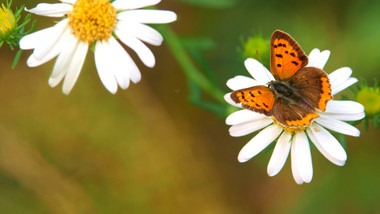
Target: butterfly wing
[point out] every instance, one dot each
(293, 114)
(313, 86)
(257, 98)
(286, 56)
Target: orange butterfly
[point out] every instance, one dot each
(298, 91)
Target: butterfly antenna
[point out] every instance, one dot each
(257, 52)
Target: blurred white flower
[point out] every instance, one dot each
(245, 122)
(101, 23)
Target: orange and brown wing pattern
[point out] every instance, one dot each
(257, 98)
(313, 86)
(287, 57)
(293, 115)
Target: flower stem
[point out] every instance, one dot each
(184, 60)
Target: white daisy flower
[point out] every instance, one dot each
(98, 22)
(245, 122)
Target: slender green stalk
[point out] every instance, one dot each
(184, 60)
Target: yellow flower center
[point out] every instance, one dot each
(92, 20)
(7, 20)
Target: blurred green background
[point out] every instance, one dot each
(149, 150)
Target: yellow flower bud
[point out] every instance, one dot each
(370, 98)
(7, 20)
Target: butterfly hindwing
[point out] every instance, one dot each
(294, 114)
(287, 57)
(257, 98)
(313, 86)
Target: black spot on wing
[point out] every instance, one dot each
(279, 55)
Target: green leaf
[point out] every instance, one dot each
(216, 4)
(17, 58)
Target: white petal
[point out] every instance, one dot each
(35, 39)
(134, 72)
(115, 64)
(242, 116)
(240, 82)
(341, 87)
(249, 127)
(75, 67)
(339, 76)
(227, 98)
(44, 39)
(63, 60)
(148, 16)
(258, 71)
(48, 43)
(143, 52)
(51, 10)
(57, 48)
(344, 107)
(141, 31)
(302, 158)
(338, 126)
(106, 74)
(318, 59)
(313, 57)
(69, 1)
(295, 171)
(259, 142)
(120, 64)
(280, 154)
(327, 144)
(124, 5)
(344, 117)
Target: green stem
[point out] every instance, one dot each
(191, 71)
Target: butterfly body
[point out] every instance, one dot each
(298, 92)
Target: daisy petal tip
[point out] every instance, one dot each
(151, 64)
(135, 81)
(326, 52)
(172, 16)
(356, 134)
(111, 88)
(66, 91)
(340, 163)
(242, 159)
(308, 179)
(113, 91)
(227, 98)
(271, 172)
(52, 82)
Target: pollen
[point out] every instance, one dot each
(92, 20)
(7, 20)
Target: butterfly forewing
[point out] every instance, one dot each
(287, 57)
(257, 98)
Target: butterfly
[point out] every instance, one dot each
(296, 94)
